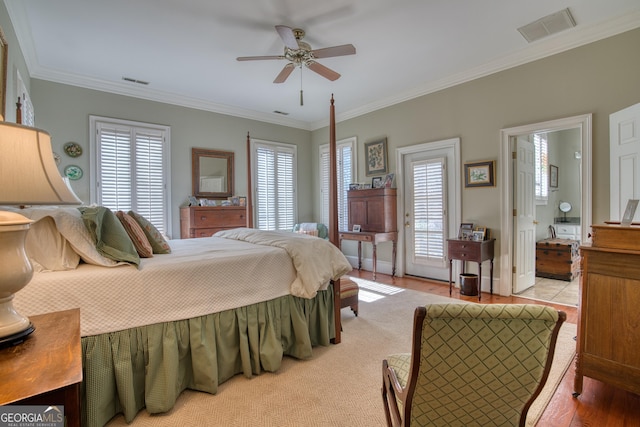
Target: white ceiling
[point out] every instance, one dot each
(187, 49)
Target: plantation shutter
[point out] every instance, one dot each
(542, 166)
(345, 169)
(429, 201)
(131, 171)
(275, 186)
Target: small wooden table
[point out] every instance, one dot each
(373, 238)
(471, 250)
(46, 369)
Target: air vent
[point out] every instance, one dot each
(140, 82)
(550, 24)
(280, 112)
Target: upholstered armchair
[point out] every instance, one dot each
(471, 364)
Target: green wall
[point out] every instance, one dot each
(598, 78)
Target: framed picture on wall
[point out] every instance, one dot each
(376, 157)
(553, 176)
(480, 174)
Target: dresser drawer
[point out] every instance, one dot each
(228, 217)
(463, 250)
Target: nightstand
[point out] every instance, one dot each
(46, 369)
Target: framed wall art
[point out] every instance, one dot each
(553, 176)
(480, 174)
(376, 157)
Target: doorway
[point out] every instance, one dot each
(424, 157)
(511, 264)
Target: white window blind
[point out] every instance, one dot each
(345, 158)
(542, 166)
(132, 170)
(275, 182)
(429, 214)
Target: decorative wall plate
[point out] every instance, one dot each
(73, 172)
(72, 149)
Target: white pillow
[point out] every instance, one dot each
(47, 249)
(69, 223)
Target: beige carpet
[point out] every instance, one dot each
(340, 386)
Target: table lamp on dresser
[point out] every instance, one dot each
(28, 176)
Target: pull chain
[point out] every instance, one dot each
(301, 100)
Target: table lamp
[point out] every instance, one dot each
(28, 176)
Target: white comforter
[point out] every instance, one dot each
(200, 276)
(316, 260)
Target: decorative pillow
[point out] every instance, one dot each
(110, 237)
(47, 249)
(71, 226)
(136, 234)
(158, 243)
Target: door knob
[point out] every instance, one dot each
(535, 222)
(407, 224)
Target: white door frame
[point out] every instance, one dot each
(454, 217)
(505, 173)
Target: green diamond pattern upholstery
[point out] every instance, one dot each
(478, 364)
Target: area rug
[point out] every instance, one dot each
(340, 385)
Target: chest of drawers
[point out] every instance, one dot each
(204, 221)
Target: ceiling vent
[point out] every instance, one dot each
(132, 80)
(550, 24)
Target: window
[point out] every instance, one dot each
(542, 167)
(429, 213)
(275, 181)
(345, 162)
(28, 114)
(131, 170)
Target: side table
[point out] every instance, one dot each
(373, 238)
(474, 251)
(46, 369)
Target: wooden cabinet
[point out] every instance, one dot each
(204, 221)
(46, 369)
(373, 210)
(557, 259)
(608, 332)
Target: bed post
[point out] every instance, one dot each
(333, 213)
(249, 186)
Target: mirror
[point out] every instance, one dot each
(211, 173)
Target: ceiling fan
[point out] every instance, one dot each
(299, 53)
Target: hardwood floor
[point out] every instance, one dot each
(599, 405)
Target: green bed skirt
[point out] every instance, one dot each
(148, 367)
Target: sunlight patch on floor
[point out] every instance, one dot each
(378, 288)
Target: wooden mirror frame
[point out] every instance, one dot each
(197, 154)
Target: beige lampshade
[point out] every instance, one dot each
(28, 171)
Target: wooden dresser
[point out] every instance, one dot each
(204, 221)
(609, 314)
(374, 210)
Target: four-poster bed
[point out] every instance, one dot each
(333, 208)
(215, 307)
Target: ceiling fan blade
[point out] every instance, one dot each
(284, 73)
(328, 52)
(325, 72)
(258, 58)
(287, 36)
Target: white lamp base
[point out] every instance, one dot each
(16, 273)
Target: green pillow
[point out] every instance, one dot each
(158, 243)
(110, 237)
